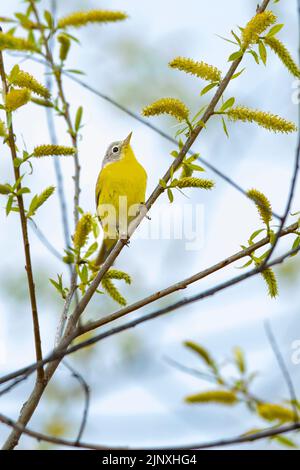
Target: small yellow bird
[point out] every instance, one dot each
(120, 191)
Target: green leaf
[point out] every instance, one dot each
(9, 204)
(262, 52)
(91, 250)
(275, 30)
(246, 264)
(254, 235)
(296, 245)
(239, 359)
(284, 441)
(208, 88)
(48, 18)
(255, 55)
(170, 195)
(237, 74)
(228, 104)
(235, 56)
(78, 118)
(225, 127)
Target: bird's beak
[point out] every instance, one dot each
(127, 140)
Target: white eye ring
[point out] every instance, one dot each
(115, 149)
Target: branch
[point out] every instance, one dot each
(183, 284)
(23, 220)
(209, 445)
(51, 439)
(64, 351)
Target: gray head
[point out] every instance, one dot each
(114, 151)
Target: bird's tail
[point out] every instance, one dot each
(105, 249)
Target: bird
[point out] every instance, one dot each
(120, 193)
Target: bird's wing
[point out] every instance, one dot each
(98, 190)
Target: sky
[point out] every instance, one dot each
(139, 398)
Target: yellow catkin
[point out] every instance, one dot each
(82, 18)
(269, 121)
(201, 351)
(23, 79)
(7, 41)
(83, 229)
(3, 130)
(200, 69)
(225, 397)
(263, 205)
(271, 281)
(49, 150)
(279, 48)
(112, 291)
(256, 26)
(273, 412)
(116, 274)
(16, 98)
(65, 44)
(191, 182)
(171, 106)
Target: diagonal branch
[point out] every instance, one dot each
(184, 283)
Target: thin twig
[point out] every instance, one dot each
(267, 433)
(51, 439)
(190, 370)
(283, 368)
(24, 227)
(44, 240)
(86, 391)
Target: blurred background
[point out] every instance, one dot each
(137, 397)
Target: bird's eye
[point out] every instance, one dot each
(115, 149)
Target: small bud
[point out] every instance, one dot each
(65, 44)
